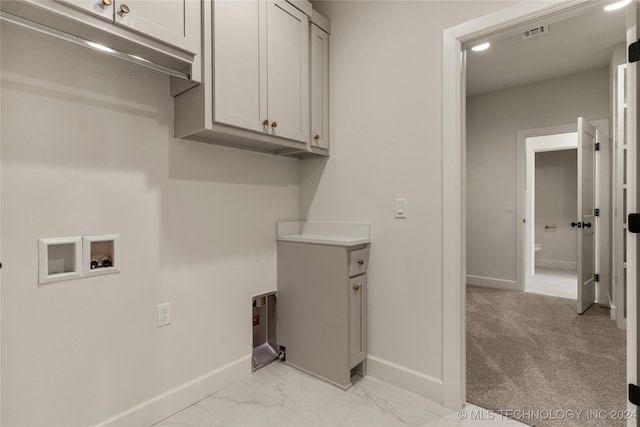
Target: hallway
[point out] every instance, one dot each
(533, 352)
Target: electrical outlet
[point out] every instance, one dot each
(164, 314)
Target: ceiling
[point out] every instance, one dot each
(571, 46)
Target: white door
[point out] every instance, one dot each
(319, 88)
(632, 205)
(101, 8)
(164, 20)
(288, 71)
(240, 64)
(586, 215)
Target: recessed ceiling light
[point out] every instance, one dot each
(481, 47)
(616, 5)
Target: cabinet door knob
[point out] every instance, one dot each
(105, 3)
(274, 124)
(265, 123)
(361, 262)
(316, 137)
(124, 9)
(356, 288)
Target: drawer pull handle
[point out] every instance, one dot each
(265, 123)
(124, 9)
(105, 3)
(356, 288)
(361, 262)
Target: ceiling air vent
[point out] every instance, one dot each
(536, 31)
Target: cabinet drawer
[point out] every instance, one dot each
(358, 261)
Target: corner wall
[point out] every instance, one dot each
(386, 136)
(87, 149)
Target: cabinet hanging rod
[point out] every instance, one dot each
(96, 47)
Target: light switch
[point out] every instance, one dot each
(508, 207)
(401, 208)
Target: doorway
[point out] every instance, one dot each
(454, 212)
(552, 199)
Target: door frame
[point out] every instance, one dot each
(526, 193)
(522, 203)
(454, 42)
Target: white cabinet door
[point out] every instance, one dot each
(288, 71)
(319, 88)
(357, 320)
(239, 72)
(165, 20)
(101, 8)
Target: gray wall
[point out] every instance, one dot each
(556, 206)
(493, 121)
(386, 136)
(87, 149)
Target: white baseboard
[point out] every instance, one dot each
(405, 378)
(172, 401)
(491, 282)
(550, 263)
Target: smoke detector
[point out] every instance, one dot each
(535, 31)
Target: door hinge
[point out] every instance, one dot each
(597, 146)
(633, 223)
(596, 277)
(634, 394)
(597, 212)
(634, 52)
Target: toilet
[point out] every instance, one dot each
(538, 247)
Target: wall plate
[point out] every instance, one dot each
(101, 254)
(59, 259)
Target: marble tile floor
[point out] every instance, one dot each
(278, 395)
(554, 282)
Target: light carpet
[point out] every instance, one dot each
(534, 357)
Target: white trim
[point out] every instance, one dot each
(492, 282)
(632, 206)
(525, 262)
(43, 259)
(552, 263)
(453, 204)
(403, 377)
(174, 400)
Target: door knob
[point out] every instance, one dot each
(356, 288)
(274, 124)
(105, 3)
(361, 262)
(574, 224)
(124, 9)
(586, 224)
(316, 137)
(265, 123)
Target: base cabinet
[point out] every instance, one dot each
(322, 311)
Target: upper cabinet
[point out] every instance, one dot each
(287, 71)
(164, 20)
(256, 88)
(160, 34)
(319, 87)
